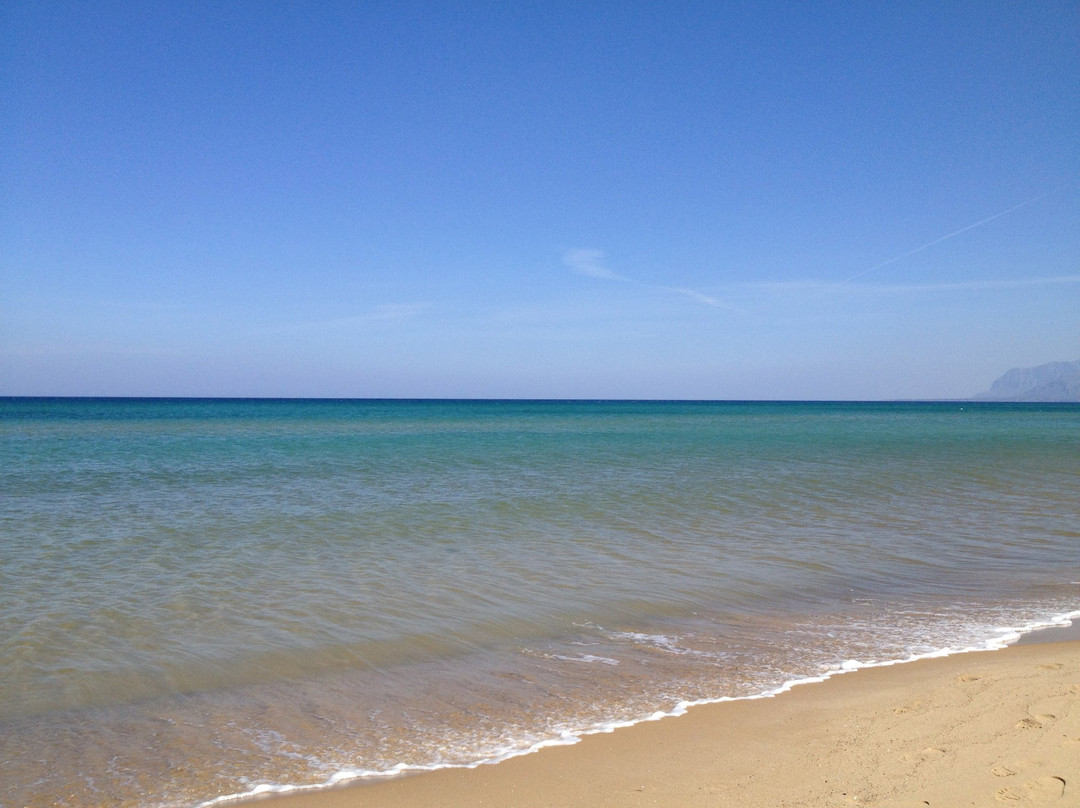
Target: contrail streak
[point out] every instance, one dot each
(946, 237)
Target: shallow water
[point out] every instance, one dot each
(198, 597)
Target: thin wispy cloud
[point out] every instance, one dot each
(908, 288)
(969, 286)
(379, 313)
(590, 262)
(947, 236)
(698, 296)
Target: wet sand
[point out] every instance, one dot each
(976, 729)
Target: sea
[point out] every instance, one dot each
(205, 600)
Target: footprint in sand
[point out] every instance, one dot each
(1052, 666)
(1028, 723)
(1052, 786)
(917, 706)
(1002, 771)
(968, 677)
(1043, 789)
(930, 754)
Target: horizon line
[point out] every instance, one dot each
(977, 399)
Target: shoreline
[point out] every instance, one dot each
(929, 731)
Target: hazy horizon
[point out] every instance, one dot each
(690, 201)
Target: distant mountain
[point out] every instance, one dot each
(1055, 381)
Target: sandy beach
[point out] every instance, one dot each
(974, 729)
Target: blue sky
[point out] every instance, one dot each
(556, 199)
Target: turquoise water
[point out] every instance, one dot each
(199, 597)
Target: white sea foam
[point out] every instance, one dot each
(584, 658)
(662, 642)
(1003, 637)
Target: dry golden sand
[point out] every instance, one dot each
(999, 728)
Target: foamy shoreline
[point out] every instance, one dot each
(727, 717)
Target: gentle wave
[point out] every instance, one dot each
(570, 737)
